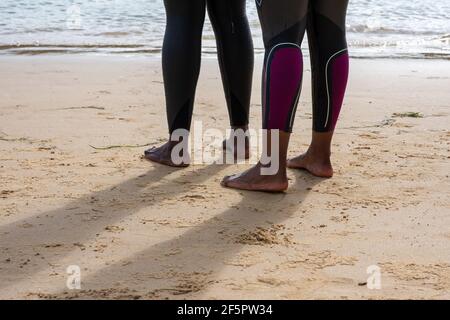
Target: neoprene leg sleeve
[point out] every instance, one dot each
(181, 59)
(235, 53)
(283, 24)
(329, 60)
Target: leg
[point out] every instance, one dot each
(181, 65)
(329, 61)
(283, 23)
(235, 53)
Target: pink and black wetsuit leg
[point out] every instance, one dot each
(329, 60)
(284, 23)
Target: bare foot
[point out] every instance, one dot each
(253, 180)
(318, 166)
(163, 155)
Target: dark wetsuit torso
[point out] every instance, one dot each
(182, 52)
(284, 23)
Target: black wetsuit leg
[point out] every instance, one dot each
(284, 23)
(329, 60)
(182, 55)
(235, 53)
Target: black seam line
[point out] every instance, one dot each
(343, 29)
(305, 17)
(294, 104)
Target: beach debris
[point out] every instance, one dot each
(408, 114)
(3, 138)
(386, 122)
(53, 245)
(81, 108)
(120, 146)
(114, 229)
(4, 193)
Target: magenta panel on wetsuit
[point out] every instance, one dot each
(285, 76)
(339, 74)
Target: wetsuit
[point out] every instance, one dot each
(284, 23)
(182, 52)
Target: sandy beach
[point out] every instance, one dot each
(74, 189)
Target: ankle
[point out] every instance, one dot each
(238, 135)
(320, 146)
(318, 152)
(244, 127)
(281, 174)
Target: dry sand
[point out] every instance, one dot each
(140, 230)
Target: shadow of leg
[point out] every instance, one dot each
(83, 219)
(188, 263)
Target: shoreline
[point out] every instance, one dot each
(156, 54)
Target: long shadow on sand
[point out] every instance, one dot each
(187, 264)
(81, 219)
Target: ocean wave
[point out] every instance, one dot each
(23, 46)
(444, 38)
(116, 34)
(43, 49)
(32, 31)
(367, 28)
